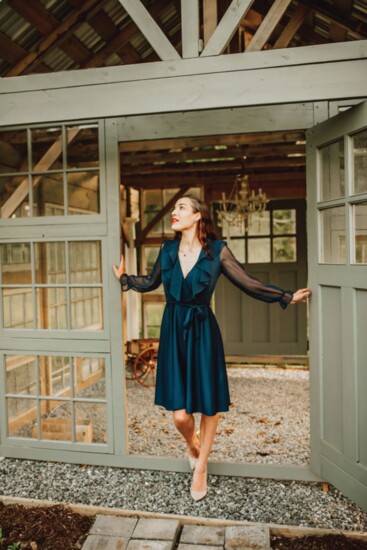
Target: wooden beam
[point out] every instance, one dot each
(149, 28)
(117, 43)
(57, 36)
(292, 27)
(41, 19)
(210, 18)
(190, 28)
(268, 25)
(227, 27)
(190, 142)
(12, 52)
(234, 165)
(162, 213)
(42, 165)
(189, 155)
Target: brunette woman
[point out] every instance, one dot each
(191, 370)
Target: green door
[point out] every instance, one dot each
(337, 244)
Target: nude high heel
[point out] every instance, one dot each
(198, 495)
(193, 459)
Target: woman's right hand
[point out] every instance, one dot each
(121, 269)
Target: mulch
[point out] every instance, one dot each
(324, 542)
(50, 528)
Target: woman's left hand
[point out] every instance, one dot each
(301, 295)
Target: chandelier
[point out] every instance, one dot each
(236, 210)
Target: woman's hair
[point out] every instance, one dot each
(205, 225)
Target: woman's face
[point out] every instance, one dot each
(183, 216)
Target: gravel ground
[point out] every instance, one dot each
(268, 423)
(245, 499)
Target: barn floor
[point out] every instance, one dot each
(268, 422)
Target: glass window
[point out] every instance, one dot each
(55, 181)
(52, 308)
(333, 235)
(259, 250)
(13, 151)
(18, 308)
(259, 224)
(153, 313)
(83, 192)
(82, 146)
(16, 264)
(237, 246)
(86, 308)
(284, 249)
(50, 263)
(20, 374)
(332, 171)
(14, 197)
(55, 397)
(284, 221)
(360, 228)
(47, 149)
(85, 262)
(360, 162)
(48, 191)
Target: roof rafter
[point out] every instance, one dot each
(227, 27)
(190, 28)
(268, 25)
(149, 28)
(57, 36)
(292, 27)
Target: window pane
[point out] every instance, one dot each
(91, 422)
(284, 222)
(82, 148)
(152, 200)
(333, 235)
(51, 308)
(360, 162)
(284, 249)
(332, 171)
(17, 308)
(22, 417)
(12, 207)
(85, 262)
(153, 313)
(50, 262)
(259, 224)
(46, 149)
(237, 246)
(232, 230)
(54, 376)
(48, 195)
(83, 192)
(360, 224)
(56, 420)
(259, 251)
(16, 263)
(89, 377)
(13, 151)
(20, 374)
(86, 308)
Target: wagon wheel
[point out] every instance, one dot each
(145, 367)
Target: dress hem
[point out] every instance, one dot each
(193, 411)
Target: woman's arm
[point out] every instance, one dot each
(234, 271)
(139, 283)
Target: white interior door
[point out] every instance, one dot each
(337, 243)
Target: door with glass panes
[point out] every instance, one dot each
(337, 237)
(272, 249)
(55, 358)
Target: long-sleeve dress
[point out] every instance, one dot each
(191, 370)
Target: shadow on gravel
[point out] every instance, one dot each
(325, 542)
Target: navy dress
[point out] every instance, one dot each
(191, 370)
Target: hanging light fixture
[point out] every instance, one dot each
(236, 210)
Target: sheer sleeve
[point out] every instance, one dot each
(143, 283)
(234, 271)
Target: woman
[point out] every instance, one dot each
(191, 370)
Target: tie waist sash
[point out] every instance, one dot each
(196, 313)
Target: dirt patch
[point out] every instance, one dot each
(325, 542)
(51, 528)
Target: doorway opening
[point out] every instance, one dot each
(266, 348)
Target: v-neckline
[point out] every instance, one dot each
(188, 273)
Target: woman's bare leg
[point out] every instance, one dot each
(208, 429)
(185, 423)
